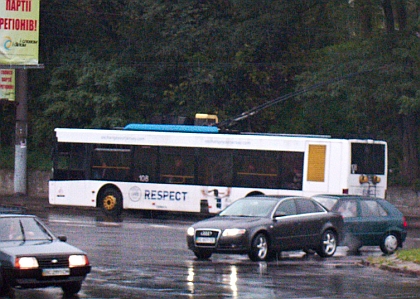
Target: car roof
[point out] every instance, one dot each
(346, 197)
(276, 197)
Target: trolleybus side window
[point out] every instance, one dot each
(257, 169)
(215, 167)
(291, 170)
(177, 165)
(69, 163)
(111, 162)
(145, 164)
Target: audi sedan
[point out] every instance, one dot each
(32, 257)
(263, 226)
(368, 221)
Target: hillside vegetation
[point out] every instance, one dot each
(112, 62)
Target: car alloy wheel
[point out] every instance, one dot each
(389, 244)
(328, 244)
(259, 248)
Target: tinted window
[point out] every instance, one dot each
(371, 208)
(215, 167)
(258, 169)
(111, 162)
(145, 164)
(367, 158)
(307, 206)
(177, 165)
(287, 207)
(291, 166)
(70, 161)
(267, 169)
(326, 202)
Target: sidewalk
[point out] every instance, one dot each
(31, 204)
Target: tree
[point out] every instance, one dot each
(97, 95)
(390, 90)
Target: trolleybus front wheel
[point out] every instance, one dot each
(111, 201)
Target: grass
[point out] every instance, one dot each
(37, 159)
(381, 261)
(412, 255)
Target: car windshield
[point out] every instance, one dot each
(250, 208)
(22, 229)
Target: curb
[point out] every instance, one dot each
(393, 264)
(26, 202)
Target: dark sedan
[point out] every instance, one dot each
(262, 226)
(368, 221)
(32, 257)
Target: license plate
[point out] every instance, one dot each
(56, 272)
(205, 240)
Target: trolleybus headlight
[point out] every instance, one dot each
(190, 231)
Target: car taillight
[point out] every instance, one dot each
(405, 224)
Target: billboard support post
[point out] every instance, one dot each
(21, 134)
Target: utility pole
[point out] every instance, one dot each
(21, 133)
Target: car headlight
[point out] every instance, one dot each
(78, 260)
(26, 263)
(190, 231)
(231, 232)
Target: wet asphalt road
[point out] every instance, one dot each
(140, 256)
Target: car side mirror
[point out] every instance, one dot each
(62, 238)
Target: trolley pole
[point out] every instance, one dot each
(21, 134)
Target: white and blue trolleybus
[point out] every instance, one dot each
(199, 169)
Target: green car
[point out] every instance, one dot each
(368, 221)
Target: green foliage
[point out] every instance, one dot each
(37, 158)
(109, 62)
(97, 95)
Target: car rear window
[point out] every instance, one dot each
(371, 208)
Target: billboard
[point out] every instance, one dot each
(7, 85)
(19, 32)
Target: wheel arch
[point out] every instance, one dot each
(331, 227)
(257, 231)
(254, 193)
(103, 189)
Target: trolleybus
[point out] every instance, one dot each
(199, 169)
